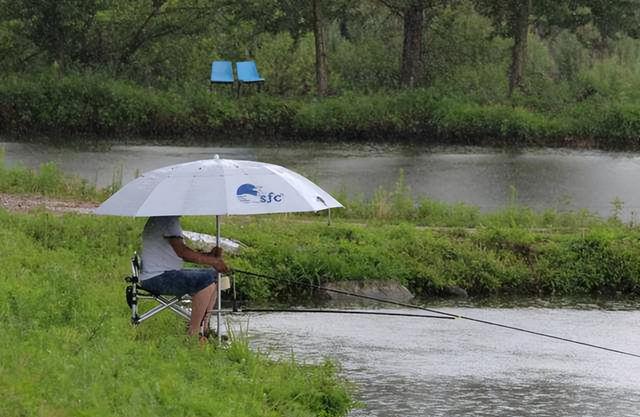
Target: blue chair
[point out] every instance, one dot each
(248, 74)
(221, 72)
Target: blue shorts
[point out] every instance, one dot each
(180, 281)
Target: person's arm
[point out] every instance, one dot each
(190, 255)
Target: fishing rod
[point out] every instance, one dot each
(331, 311)
(442, 313)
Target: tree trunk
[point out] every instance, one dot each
(320, 34)
(520, 30)
(411, 66)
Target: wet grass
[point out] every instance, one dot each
(49, 181)
(67, 348)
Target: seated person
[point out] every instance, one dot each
(163, 253)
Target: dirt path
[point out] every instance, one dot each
(23, 203)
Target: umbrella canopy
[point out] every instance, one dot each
(217, 187)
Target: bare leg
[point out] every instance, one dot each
(199, 303)
(211, 306)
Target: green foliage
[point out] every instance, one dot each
(68, 348)
(139, 67)
(490, 260)
(365, 66)
(95, 104)
(600, 262)
(475, 48)
(49, 180)
(569, 54)
(287, 64)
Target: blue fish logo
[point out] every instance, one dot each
(249, 193)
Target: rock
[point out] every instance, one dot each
(387, 290)
(456, 291)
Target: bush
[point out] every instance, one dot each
(287, 66)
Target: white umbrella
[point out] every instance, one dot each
(217, 187)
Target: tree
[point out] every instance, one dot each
(612, 17)
(513, 17)
(412, 14)
(296, 17)
(133, 25)
(320, 36)
(519, 28)
(58, 27)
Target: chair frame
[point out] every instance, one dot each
(135, 292)
(259, 81)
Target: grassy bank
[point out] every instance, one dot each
(488, 261)
(67, 348)
(98, 105)
(427, 245)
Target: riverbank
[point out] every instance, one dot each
(428, 246)
(68, 348)
(95, 105)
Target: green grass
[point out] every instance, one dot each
(96, 104)
(67, 348)
(488, 261)
(48, 180)
(426, 245)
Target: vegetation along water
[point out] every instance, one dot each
(471, 71)
(66, 321)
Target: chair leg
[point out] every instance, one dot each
(164, 304)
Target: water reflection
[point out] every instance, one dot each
(488, 178)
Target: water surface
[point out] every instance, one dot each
(405, 367)
(488, 178)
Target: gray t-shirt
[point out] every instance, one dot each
(158, 255)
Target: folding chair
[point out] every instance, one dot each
(221, 73)
(248, 74)
(134, 292)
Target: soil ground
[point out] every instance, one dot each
(24, 203)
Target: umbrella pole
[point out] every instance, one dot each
(218, 301)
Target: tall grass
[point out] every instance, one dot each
(67, 348)
(48, 180)
(492, 260)
(90, 103)
(399, 205)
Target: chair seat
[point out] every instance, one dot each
(248, 72)
(221, 72)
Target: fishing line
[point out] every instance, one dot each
(442, 313)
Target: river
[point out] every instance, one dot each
(413, 367)
(488, 178)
